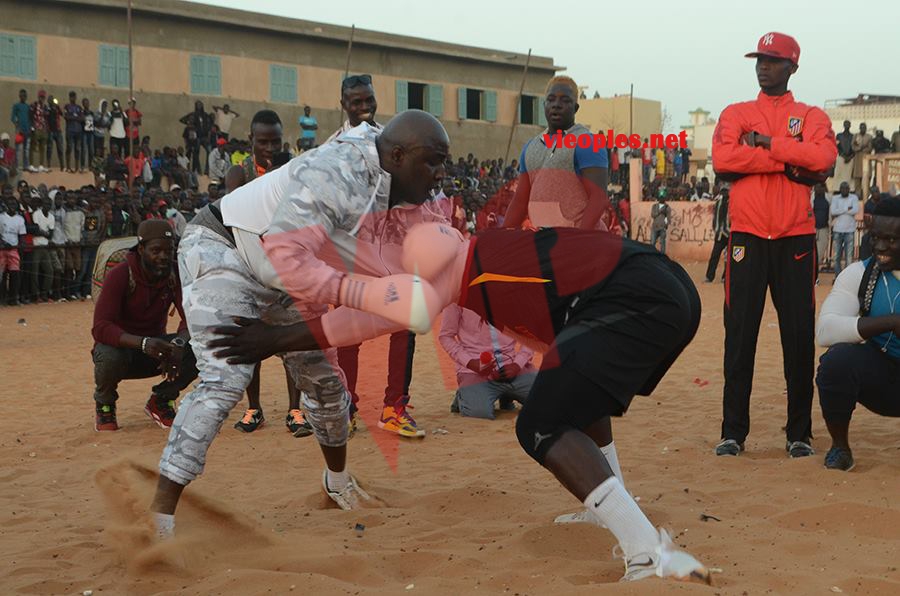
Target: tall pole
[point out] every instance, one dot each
(130, 92)
(631, 111)
(515, 122)
(347, 67)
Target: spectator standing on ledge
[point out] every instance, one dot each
(772, 245)
(196, 134)
(21, 119)
(133, 120)
(74, 116)
(844, 207)
(308, 125)
(880, 144)
(224, 116)
(843, 166)
(102, 122)
(117, 132)
(40, 131)
(87, 136)
(55, 133)
(862, 146)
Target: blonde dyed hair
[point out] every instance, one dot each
(562, 80)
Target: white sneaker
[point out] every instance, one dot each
(347, 499)
(580, 517)
(43, 170)
(665, 561)
(32, 169)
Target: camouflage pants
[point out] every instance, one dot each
(216, 286)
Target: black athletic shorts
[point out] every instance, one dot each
(618, 342)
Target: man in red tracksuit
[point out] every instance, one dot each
(772, 244)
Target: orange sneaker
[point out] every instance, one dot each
(396, 419)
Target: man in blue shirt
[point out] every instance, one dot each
(21, 118)
(308, 125)
(860, 324)
(565, 185)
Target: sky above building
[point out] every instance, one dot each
(684, 54)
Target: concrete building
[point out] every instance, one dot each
(603, 113)
(185, 51)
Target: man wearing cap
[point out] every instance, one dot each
(773, 149)
(130, 329)
(219, 162)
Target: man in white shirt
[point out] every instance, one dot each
(42, 272)
(224, 116)
(860, 324)
(844, 208)
(12, 232)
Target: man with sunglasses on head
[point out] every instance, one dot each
(359, 103)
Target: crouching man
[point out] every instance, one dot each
(488, 366)
(130, 329)
(860, 325)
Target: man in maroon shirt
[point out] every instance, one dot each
(130, 329)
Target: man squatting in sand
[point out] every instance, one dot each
(339, 199)
(614, 325)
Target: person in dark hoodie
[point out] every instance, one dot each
(130, 329)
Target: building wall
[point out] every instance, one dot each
(604, 113)
(69, 36)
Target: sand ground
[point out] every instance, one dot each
(459, 513)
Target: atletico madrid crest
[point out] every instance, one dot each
(737, 253)
(795, 126)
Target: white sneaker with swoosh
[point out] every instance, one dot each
(665, 561)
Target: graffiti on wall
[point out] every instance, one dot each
(690, 233)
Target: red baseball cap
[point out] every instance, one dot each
(42, 93)
(777, 45)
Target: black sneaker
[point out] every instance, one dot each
(105, 418)
(799, 449)
(297, 424)
(839, 458)
(250, 421)
(729, 447)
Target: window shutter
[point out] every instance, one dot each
(8, 66)
(214, 75)
(197, 71)
(490, 106)
(26, 61)
(290, 84)
(107, 66)
(402, 92)
(122, 67)
(540, 112)
(435, 100)
(462, 110)
(274, 83)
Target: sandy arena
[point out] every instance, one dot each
(465, 512)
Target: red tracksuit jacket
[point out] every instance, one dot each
(766, 203)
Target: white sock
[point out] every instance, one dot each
(609, 452)
(337, 480)
(621, 515)
(165, 525)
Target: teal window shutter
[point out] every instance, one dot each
(26, 47)
(490, 106)
(206, 75)
(402, 90)
(283, 83)
(541, 120)
(435, 94)
(8, 66)
(461, 109)
(17, 57)
(122, 67)
(214, 75)
(198, 71)
(108, 66)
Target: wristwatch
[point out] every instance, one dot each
(179, 341)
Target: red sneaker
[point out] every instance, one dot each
(105, 418)
(160, 412)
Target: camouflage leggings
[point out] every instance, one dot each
(216, 286)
